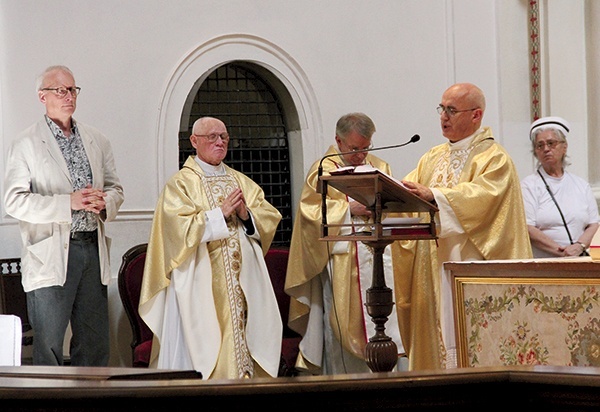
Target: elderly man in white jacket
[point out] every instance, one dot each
(61, 184)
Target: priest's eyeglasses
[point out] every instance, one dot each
(451, 111)
(355, 149)
(214, 136)
(61, 92)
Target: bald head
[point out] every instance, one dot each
(469, 94)
(466, 104)
(203, 124)
(210, 138)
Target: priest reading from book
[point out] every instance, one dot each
(474, 183)
(330, 278)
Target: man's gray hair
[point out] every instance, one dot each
(39, 83)
(357, 122)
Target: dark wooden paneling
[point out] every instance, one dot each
(31, 388)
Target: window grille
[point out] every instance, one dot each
(258, 146)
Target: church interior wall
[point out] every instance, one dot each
(391, 59)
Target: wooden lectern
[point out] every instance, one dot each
(381, 194)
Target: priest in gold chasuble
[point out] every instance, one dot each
(327, 280)
(474, 183)
(206, 292)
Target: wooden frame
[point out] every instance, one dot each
(382, 194)
(525, 313)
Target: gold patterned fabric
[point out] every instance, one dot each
(309, 257)
(481, 186)
(225, 304)
(228, 288)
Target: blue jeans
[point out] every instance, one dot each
(83, 301)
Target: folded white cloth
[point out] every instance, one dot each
(10, 340)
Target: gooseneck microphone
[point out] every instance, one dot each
(413, 139)
(321, 187)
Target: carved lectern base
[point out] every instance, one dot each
(381, 353)
(381, 356)
(380, 193)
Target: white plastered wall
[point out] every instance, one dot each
(136, 61)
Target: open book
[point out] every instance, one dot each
(347, 170)
(354, 169)
(383, 195)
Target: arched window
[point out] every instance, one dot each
(239, 95)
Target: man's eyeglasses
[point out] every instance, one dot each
(214, 136)
(550, 143)
(451, 111)
(62, 91)
(357, 149)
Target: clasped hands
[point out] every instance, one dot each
(235, 203)
(570, 250)
(88, 199)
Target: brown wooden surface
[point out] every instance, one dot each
(362, 187)
(382, 194)
(29, 388)
(532, 268)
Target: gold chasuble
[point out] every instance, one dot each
(339, 296)
(481, 217)
(206, 292)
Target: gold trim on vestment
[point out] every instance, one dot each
(217, 189)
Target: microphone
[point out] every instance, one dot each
(413, 139)
(321, 186)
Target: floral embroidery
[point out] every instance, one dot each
(585, 344)
(523, 349)
(528, 343)
(449, 166)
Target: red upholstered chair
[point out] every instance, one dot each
(130, 283)
(277, 260)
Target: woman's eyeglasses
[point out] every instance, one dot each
(550, 143)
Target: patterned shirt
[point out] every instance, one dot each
(79, 169)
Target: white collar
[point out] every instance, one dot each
(209, 169)
(464, 143)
